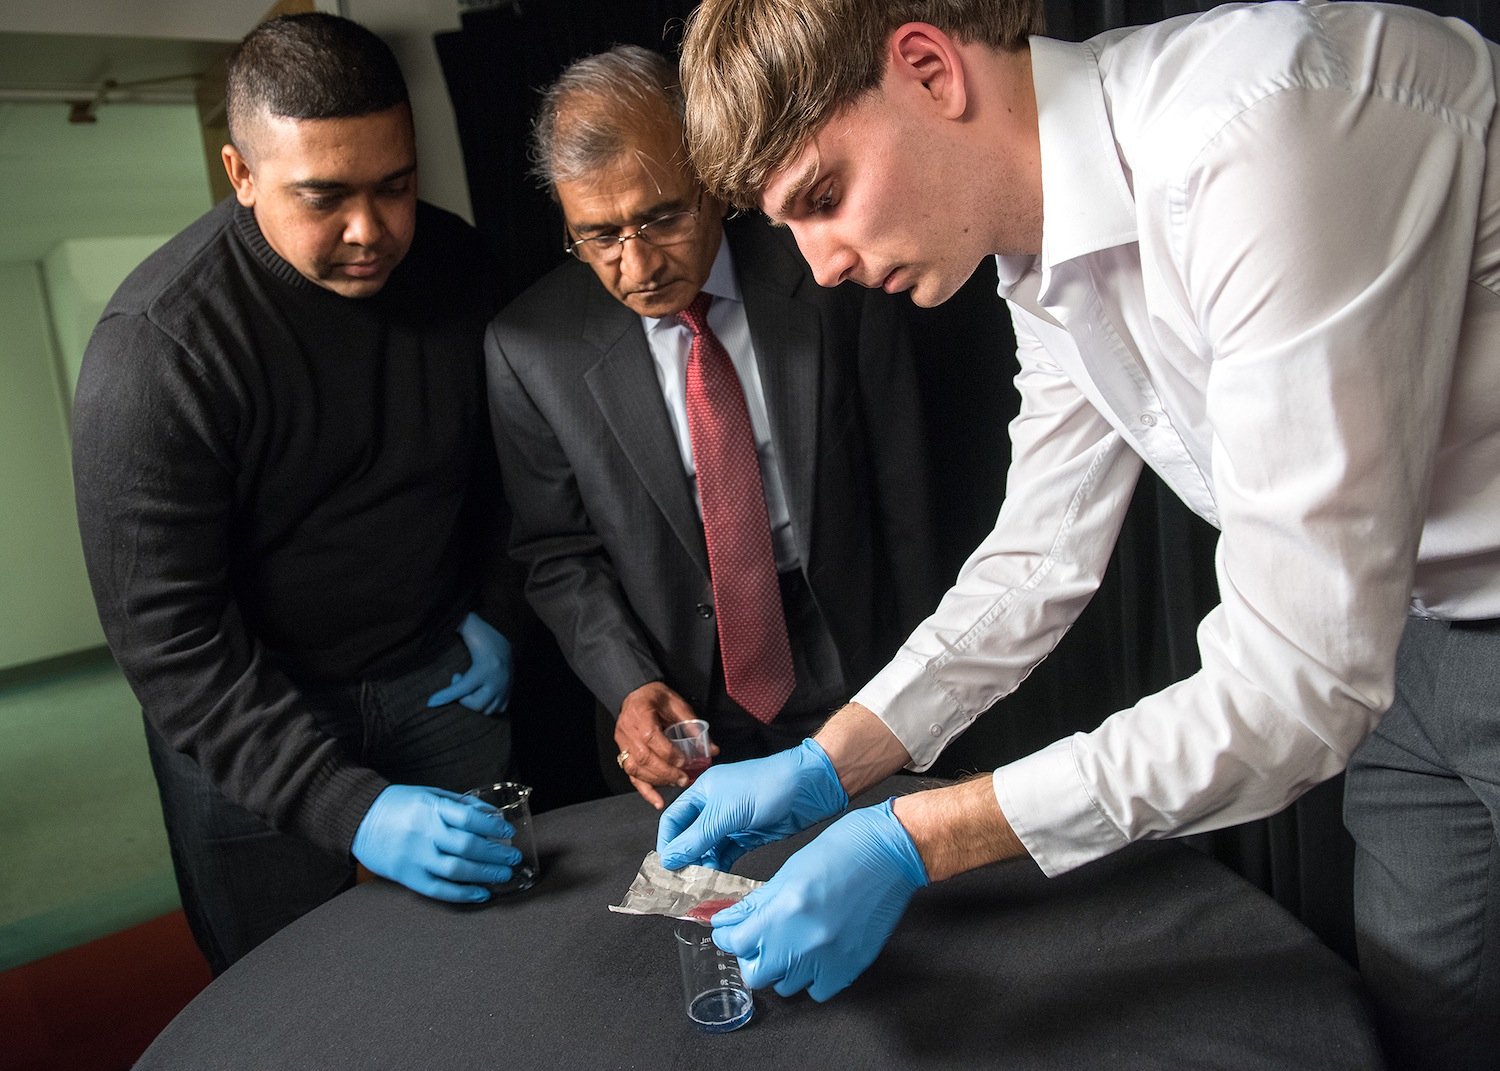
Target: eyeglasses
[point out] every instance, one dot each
(664, 230)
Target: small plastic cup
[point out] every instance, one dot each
(691, 739)
(716, 997)
(513, 801)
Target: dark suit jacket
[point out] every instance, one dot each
(604, 514)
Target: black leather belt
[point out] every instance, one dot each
(1483, 624)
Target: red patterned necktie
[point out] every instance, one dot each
(758, 673)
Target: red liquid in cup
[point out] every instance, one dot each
(695, 767)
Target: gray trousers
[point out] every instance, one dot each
(1422, 801)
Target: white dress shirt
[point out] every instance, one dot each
(671, 343)
(1270, 265)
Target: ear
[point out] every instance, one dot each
(925, 57)
(240, 176)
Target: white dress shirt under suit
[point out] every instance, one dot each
(1270, 266)
(671, 343)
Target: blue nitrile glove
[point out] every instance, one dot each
(436, 842)
(742, 805)
(829, 910)
(485, 686)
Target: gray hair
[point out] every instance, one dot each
(588, 115)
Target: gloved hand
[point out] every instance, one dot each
(731, 809)
(829, 910)
(485, 686)
(436, 842)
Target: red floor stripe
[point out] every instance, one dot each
(97, 1007)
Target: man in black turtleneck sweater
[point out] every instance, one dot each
(287, 500)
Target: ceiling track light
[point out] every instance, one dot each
(86, 111)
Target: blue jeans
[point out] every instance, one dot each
(1422, 800)
(240, 880)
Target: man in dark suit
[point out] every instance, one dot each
(681, 579)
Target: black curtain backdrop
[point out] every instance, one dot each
(1136, 636)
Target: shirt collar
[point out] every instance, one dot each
(1087, 204)
(722, 282)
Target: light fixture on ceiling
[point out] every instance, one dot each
(83, 111)
(86, 111)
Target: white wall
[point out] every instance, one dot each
(48, 609)
(80, 276)
(204, 20)
(408, 27)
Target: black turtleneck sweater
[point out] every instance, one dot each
(281, 487)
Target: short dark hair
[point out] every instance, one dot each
(310, 66)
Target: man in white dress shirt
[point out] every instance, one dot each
(1258, 250)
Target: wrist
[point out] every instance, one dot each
(903, 849)
(645, 692)
(862, 750)
(364, 831)
(827, 792)
(957, 828)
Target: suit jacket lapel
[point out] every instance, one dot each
(624, 386)
(787, 335)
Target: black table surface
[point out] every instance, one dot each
(1156, 957)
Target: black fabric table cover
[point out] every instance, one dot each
(1157, 957)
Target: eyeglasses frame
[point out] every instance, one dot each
(610, 254)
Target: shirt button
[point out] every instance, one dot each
(704, 610)
(1148, 419)
(934, 730)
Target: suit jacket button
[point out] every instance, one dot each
(705, 610)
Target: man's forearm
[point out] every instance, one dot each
(958, 828)
(863, 751)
